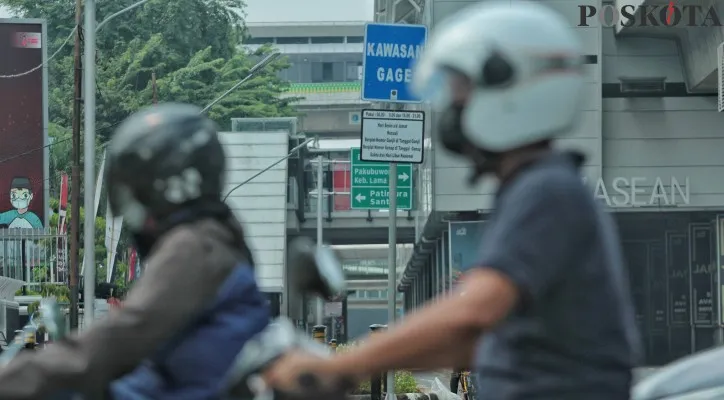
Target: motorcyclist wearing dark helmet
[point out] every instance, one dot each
(545, 312)
(197, 302)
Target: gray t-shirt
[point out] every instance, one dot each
(573, 335)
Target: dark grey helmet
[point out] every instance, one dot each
(161, 160)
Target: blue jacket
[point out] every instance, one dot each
(193, 365)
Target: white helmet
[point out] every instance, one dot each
(523, 65)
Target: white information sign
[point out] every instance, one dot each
(392, 136)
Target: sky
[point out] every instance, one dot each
(300, 11)
(309, 10)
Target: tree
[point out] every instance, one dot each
(193, 47)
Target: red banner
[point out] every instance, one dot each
(114, 303)
(341, 184)
(22, 127)
(132, 264)
(63, 203)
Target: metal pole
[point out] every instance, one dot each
(75, 174)
(89, 278)
(114, 15)
(320, 227)
(392, 260)
(392, 269)
(719, 335)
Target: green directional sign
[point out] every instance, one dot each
(370, 186)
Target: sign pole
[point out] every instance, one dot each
(89, 279)
(320, 227)
(390, 7)
(719, 292)
(392, 269)
(390, 134)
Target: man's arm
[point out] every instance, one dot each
(523, 255)
(182, 277)
(441, 335)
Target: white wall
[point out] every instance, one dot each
(452, 192)
(649, 138)
(700, 46)
(330, 121)
(666, 137)
(640, 57)
(261, 203)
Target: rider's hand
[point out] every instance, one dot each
(285, 373)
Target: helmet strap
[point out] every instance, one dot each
(484, 163)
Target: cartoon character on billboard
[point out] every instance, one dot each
(21, 194)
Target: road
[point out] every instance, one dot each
(426, 379)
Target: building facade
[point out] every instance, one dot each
(653, 138)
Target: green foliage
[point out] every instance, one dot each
(191, 45)
(59, 291)
(405, 382)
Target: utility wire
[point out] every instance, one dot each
(98, 28)
(33, 150)
(30, 71)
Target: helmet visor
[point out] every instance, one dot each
(443, 87)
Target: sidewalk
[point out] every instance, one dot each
(426, 378)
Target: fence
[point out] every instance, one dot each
(34, 256)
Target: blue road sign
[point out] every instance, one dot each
(390, 51)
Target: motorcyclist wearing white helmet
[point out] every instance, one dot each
(547, 312)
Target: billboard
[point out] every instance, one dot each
(23, 124)
(465, 240)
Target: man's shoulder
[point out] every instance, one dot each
(557, 184)
(203, 240)
(180, 235)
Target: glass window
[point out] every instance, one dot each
(327, 72)
(338, 72)
(292, 40)
(327, 39)
(352, 71)
(355, 39)
(383, 294)
(373, 294)
(259, 40)
(323, 72)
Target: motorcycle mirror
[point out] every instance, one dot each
(53, 318)
(315, 269)
(263, 350)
